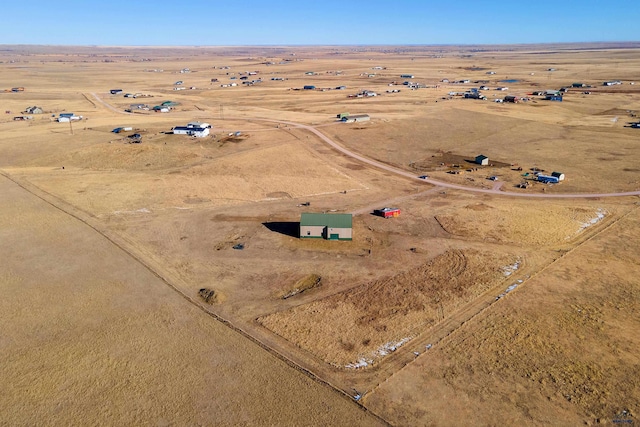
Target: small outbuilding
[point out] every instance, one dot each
(558, 175)
(511, 98)
(482, 160)
(387, 212)
(326, 226)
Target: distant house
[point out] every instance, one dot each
(199, 132)
(68, 117)
(203, 125)
(553, 98)
(406, 76)
(482, 160)
(578, 85)
(115, 91)
(20, 118)
(161, 109)
(502, 88)
(326, 226)
(33, 110)
(308, 87)
(511, 98)
(612, 83)
(356, 118)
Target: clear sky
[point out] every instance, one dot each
(316, 22)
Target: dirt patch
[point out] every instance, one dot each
(208, 295)
(357, 328)
(309, 282)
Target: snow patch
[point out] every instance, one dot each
(381, 351)
(142, 210)
(508, 270)
(600, 214)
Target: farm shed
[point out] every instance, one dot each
(548, 179)
(356, 118)
(511, 98)
(387, 212)
(558, 175)
(482, 160)
(326, 226)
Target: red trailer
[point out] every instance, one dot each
(387, 212)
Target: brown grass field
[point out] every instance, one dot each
(468, 309)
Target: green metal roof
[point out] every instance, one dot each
(327, 220)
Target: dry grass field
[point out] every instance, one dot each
(164, 283)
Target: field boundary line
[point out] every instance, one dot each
(128, 248)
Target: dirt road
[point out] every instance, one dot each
(494, 191)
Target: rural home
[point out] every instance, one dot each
(326, 226)
(482, 160)
(161, 109)
(356, 118)
(199, 125)
(68, 117)
(33, 110)
(193, 130)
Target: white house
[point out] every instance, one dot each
(199, 132)
(198, 125)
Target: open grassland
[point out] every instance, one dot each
(164, 282)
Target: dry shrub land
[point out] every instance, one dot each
(163, 282)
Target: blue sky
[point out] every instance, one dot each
(315, 22)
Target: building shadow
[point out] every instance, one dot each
(288, 228)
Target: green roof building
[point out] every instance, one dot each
(326, 226)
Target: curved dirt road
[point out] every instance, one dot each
(494, 191)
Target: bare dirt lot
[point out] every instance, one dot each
(164, 282)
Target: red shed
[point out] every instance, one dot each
(387, 212)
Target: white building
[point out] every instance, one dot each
(198, 132)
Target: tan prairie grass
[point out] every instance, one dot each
(86, 325)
